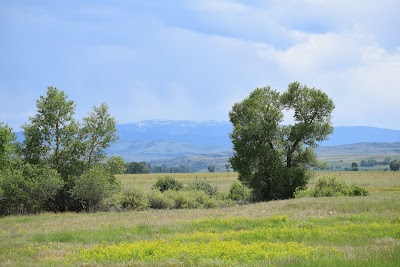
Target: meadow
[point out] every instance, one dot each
(339, 231)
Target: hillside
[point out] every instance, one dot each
(159, 140)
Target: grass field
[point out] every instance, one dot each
(341, 231)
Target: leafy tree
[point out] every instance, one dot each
(139, 167)
(386, 161)
(9, 148)
(227, 167)
(94, 185)
(395, 165)
(99, 130)
(53, 138)
(115, 165)
(354, 166)
(272, 159)
(211, 168)
(51, 130)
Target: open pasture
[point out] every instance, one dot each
(341, 231)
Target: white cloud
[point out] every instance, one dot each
(194, 59)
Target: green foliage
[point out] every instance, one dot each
(26, 190)
(211, 168)
(54, 138)
(134, 199)
(204, 186)
(358, 191)
(395, 165)
(9, 149)
(167, 183)
(238, 192)
(331, 187)
(354, 166)
(115, 165)
(137, 167)
(159, 200)
(93, 186)
(272, 159)
(98, 131)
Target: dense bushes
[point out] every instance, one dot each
(168, 193)
(331, 187)
(167, 183)
(27, 189)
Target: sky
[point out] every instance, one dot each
(192, 60)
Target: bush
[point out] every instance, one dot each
(358, 191)
(204, 186)
(158, 200)
(331, 187)
(238, 192)
(112, 203)
(167, 183)
(134, 199)
(94, 185)
(26, 190)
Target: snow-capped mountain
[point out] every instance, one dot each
(160, 139)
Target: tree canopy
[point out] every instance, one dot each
(42, 173)
(272, 158)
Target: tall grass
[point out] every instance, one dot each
(339, 231)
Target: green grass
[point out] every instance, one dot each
(341, 231)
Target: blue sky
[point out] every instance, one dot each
(194, 59)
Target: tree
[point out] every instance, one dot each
(139, 167)
(272, 159)
(53, 138)
(9, 148)
(98, 131)
(115, 165)
(51, 130)
(354, 166)
(211, 168)
(395, 165)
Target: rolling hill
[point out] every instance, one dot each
(155, 140)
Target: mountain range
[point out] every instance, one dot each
(154, 140)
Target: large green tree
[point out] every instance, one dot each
(51, 131)
(271, 158)
(54, 138)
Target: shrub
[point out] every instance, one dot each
(358, 191)
(204, 186)
(331, 187)
(95, 185)
(158, 200)
(112, 203)
(183, 199)
(238, 192)
(167, 183)
(134, 199)
(26, 190)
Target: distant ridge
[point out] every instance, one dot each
(344, 135)
(166, 139)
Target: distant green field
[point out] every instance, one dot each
(374, 181)
(340, 231)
